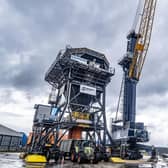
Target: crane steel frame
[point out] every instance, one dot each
(66, 75)
(73, 74)
(132, 64)
(142, 43)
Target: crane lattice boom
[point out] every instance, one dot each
(143, 40)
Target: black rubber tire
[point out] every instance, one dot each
(91, 161)
(60, 158)
(56, 158)
(106, 159)
(48, 156)
(73, 157)
(79, 160)
(95, 161)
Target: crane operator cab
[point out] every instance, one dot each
(131, 43)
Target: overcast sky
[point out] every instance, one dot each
(33, 32)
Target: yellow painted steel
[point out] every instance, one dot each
(132, 67)
(116, 160)
(35, 158)
(83, 125)
(142, 44)
(80, 115)
(139, 47)
(48, 145)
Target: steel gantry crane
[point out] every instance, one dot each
(128, 133)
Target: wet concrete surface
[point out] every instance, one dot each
(11, 160)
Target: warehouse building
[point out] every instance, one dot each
(10, 140)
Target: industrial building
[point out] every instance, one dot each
(10, 140)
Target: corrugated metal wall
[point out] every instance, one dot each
(10, 143)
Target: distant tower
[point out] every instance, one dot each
(79, 77)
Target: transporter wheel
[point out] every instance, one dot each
(79, 159)
(106, 158)
(73, 157)
(56, 157)
(61, 158)
(91, 161)
(48, 156)
(95, 161)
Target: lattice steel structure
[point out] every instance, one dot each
(79, 77)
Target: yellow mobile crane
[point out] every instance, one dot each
(129, 133)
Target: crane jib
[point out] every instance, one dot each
(142, 43)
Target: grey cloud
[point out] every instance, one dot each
(6, 97)
(23, 74)
(48, 27)
(10, 114)
(29, 74)
(37, 30)
(154, 77)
